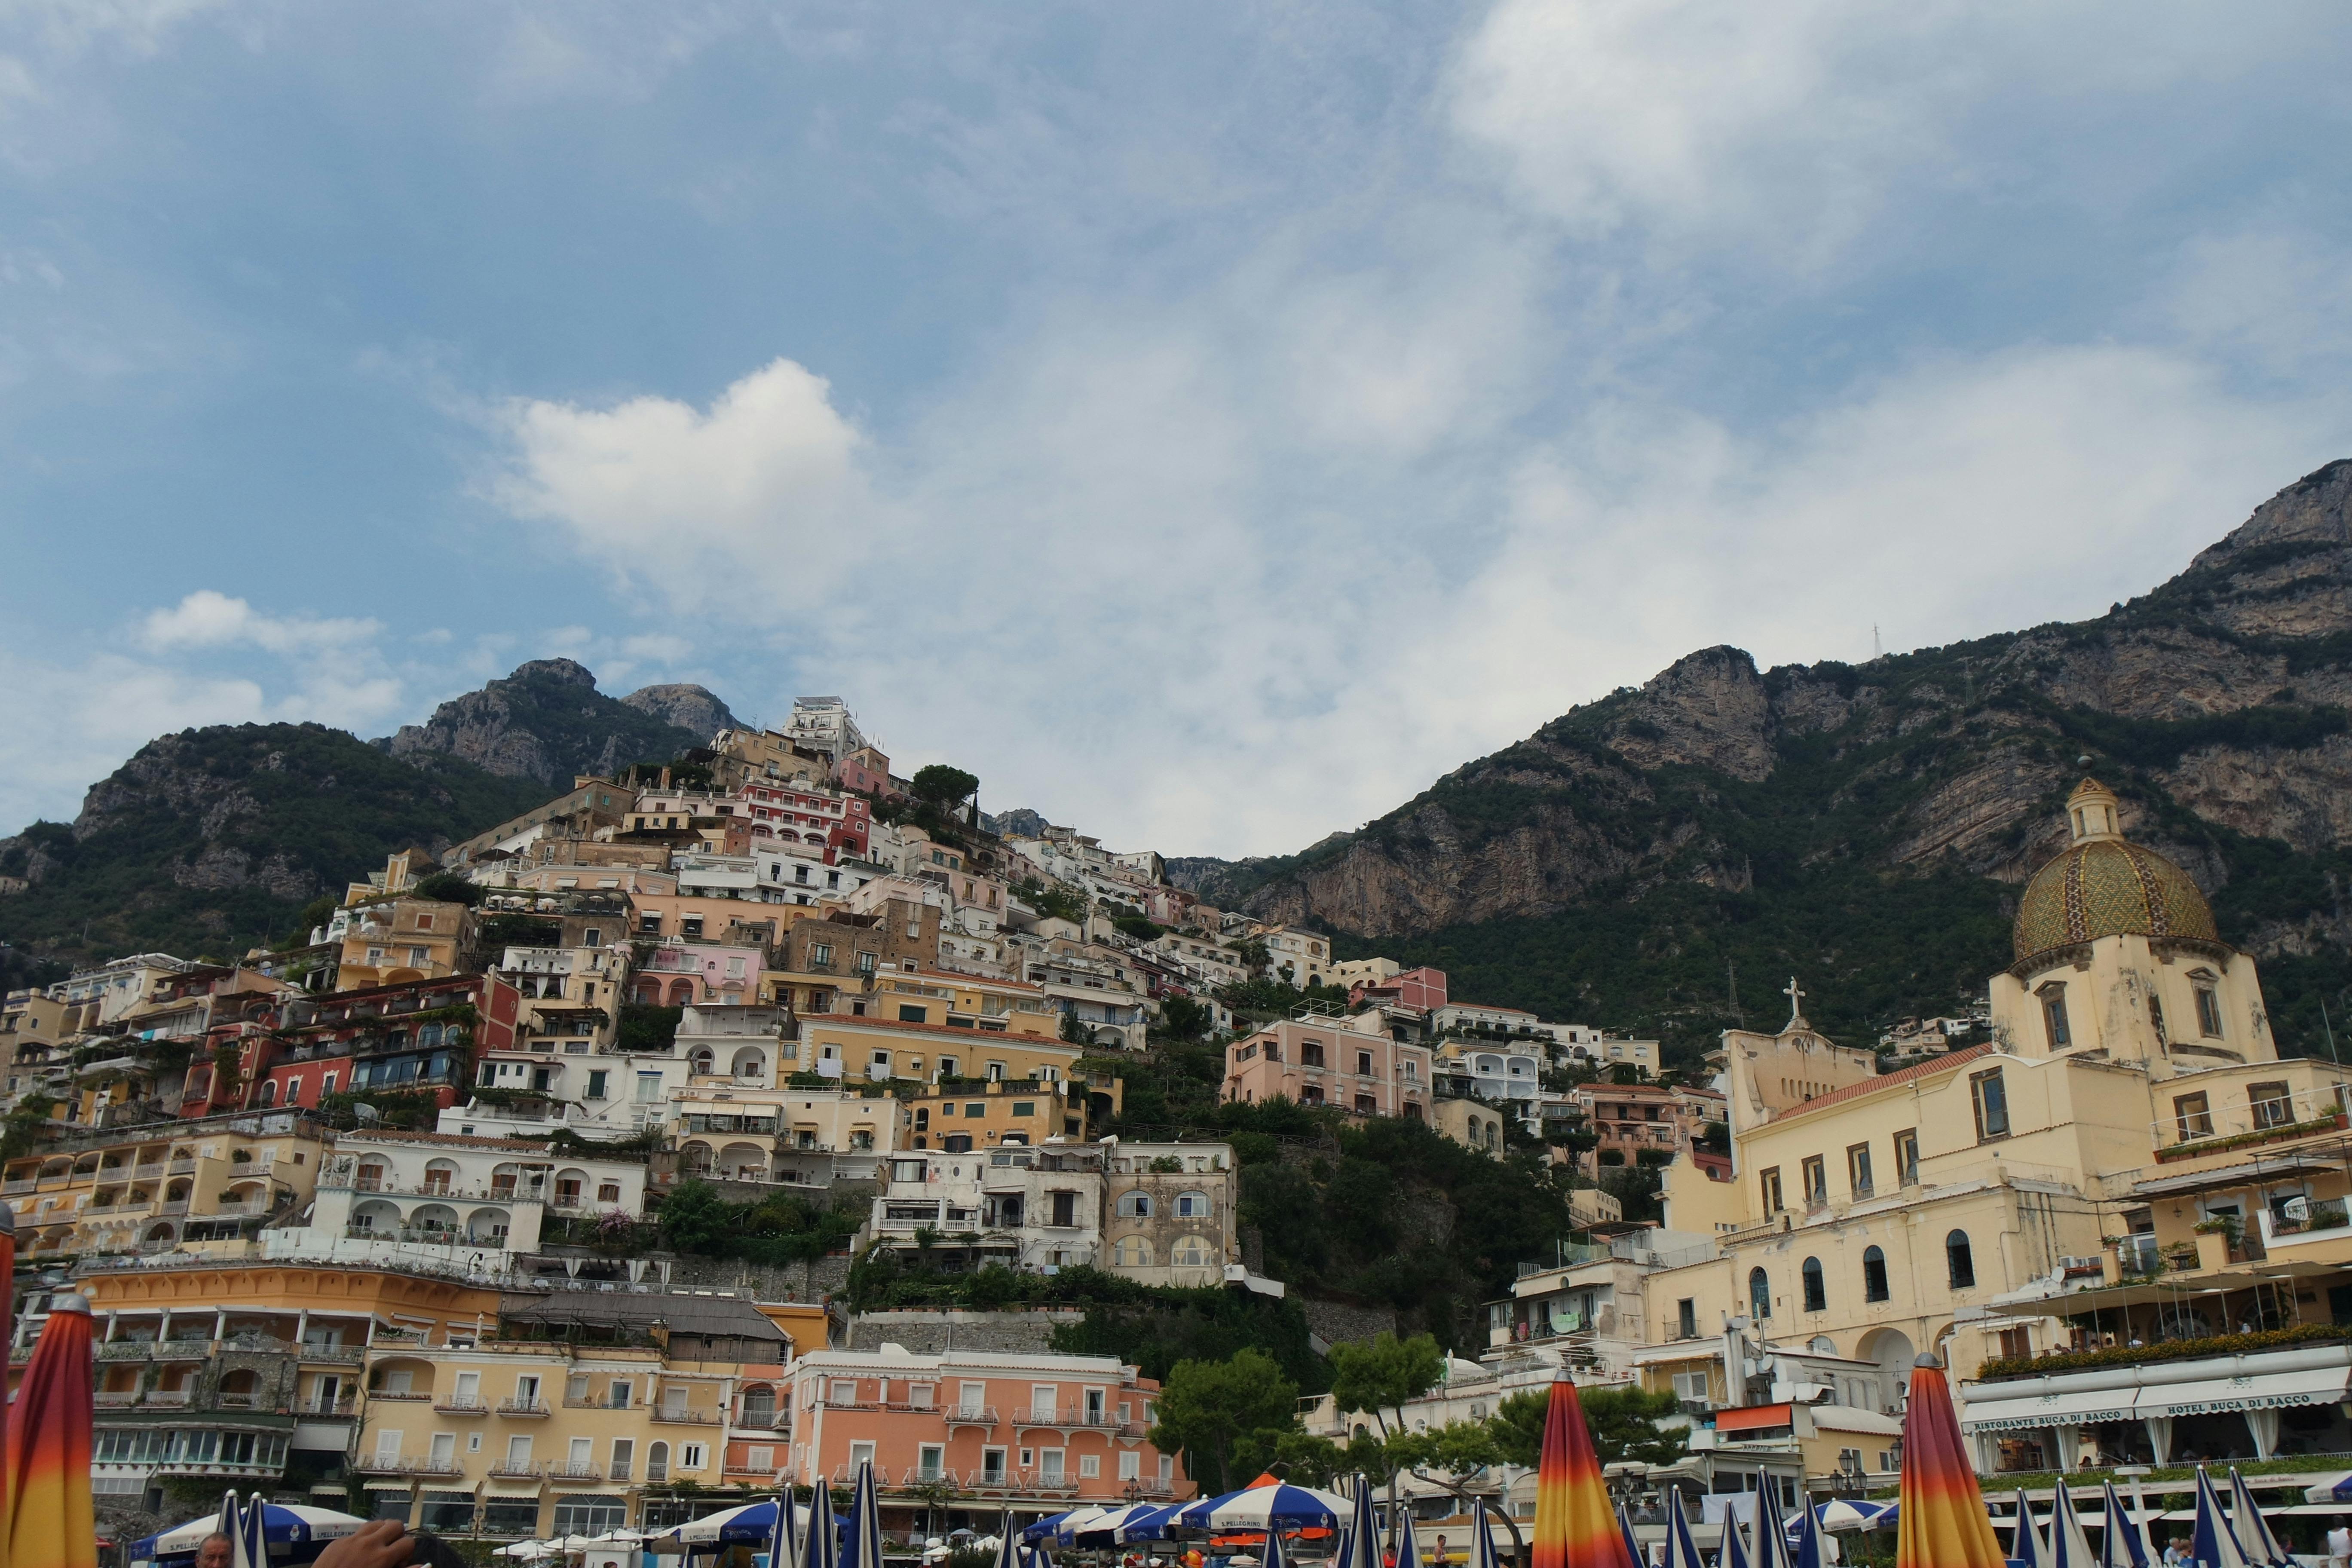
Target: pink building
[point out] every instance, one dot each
(1331, 1062)
(1422, 990)
(1038, 1433)
(680, 973)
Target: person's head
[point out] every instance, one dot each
(217, 1551)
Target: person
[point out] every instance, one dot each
(217, 1551)
(2339, 1547)
(1440, 1556)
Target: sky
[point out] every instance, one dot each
(1207, 424)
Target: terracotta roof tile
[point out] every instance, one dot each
(1944, 1063)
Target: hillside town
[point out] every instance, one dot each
(425, 1211)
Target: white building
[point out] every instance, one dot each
(1032, 1208)
(389, 1196)
(793, 1137)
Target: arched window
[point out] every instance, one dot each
(1131, 1252)
(1759, 1294)
(758, 1406)
(1135, 1205)
(1192, 1206)
(1960, 1260)
(1817, 1297)
(1190, 1252)
(657, 1462)
(698, 1061)
(1873, 1275)
(268, 1095)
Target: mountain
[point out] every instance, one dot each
(210, 840)
(1646, 860)
(547, 721)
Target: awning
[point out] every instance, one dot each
(2081, 1407)
(2270, 1391)
(1753, 1417)
(514, 1488)
(385, 1486)
(2274, 1169)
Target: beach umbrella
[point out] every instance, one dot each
(779, 1531)
(1109, 1526)
(1574, 1525)
(861, 1543)
(1265, 1505)
(819, 1548)
(252, 1538)
(1734, 1552)
(2124, 1544)
(1049, 1525)
(1482, 1539)
(2027, 1546)
(1805, 1551)
(8, 1337)
(51, 1520)
(1402, 1543)
(1273, 1557)
(1008, 1542)
(1359, 1539)
(2069, 1547)
(284, 1524)
(1943, 1523)
(230, 1521)
(1625, 1530)
(1771, 1534)
(2212, 1542)
(2254, 1532)
(1682, 1550)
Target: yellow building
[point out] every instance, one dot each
(967, 1002)
(2129, 1161)
(391, 940)
(979, 1116)
(873, 1048)
(242, 1372)
(205, 1185)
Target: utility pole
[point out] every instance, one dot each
(1731, 979)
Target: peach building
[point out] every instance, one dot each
(1331, 1062)
(1038, 1433)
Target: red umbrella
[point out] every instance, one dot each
(1943, 1523)
(1575, 1526)
(51, 1523)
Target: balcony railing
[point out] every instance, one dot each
(572, 1470)
(971, 1414)
(524, 1407)
(170, 1395)
(515, 1469)
(679, 1415)
(461, 1404)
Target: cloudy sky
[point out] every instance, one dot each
(1208, 424)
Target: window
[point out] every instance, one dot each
(1858, 1169)
(1131, 1252)
(1363, 1064)
(1190, 1252)
(2209, 1011)
(930, 1461)
(657, 1462)
(1135, 1205)
(1874, 1274)
(911, 1015)
(1906, 1158)
(2053, 1015)
(2274, 1106)
(1193, 1205)
(2193, 1115)
(1310, 1053)
(690, 1455)
(649, 1088)
(1686, 1318)
(1817, 1183)
(596, 1079)
(1960, 1261)
(2015, 1343)
(1991, 1100)
(1817, 1297)
(1771, 1184)
(820, 954)
(1760, 1295)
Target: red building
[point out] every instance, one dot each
(405, 1037)
(1422, 989)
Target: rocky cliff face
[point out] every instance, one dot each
(2217, 704)
(548, 721)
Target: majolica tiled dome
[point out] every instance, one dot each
(2104, 885)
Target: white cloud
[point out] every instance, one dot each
(207, 618)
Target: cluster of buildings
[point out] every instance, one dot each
(2121, 1221)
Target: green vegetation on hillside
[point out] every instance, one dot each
(211, 840)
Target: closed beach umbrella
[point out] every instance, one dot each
(1574, 1525)
(52, 1522)
(1943, 1523)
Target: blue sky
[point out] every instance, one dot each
(1206, 424)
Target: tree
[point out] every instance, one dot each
(942, 785)
(696, 1218)
(1207, 1409)
(1385, 1375)
(1623, 1421)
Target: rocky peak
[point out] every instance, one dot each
(689, 707)
(1710, 709)
(548, 721)
(563, 671)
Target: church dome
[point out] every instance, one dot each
(2104, 885)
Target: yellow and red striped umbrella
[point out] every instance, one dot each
(7, 1337)
(51, 1521)
(1575, 1526)
(1943, 1523)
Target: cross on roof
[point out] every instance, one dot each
(1796, 996)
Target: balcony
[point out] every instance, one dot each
(401, 1394)
(971, 1416)
(461, 1404)
(105, 1399)
(572, 1470)
(679, 1415)
(759, 1421)
(533, 1407)
(344, 1404)
(170, 1395)
(183, 1350)
(515, 1470)
(124, 1350)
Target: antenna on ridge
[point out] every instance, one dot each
(1877, 648)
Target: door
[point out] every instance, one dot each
(444, 1451)
(387, 1447)
(518, 1460)
(1043, 1398)
(469, 1391)
(326, 1390)
(582, 1462)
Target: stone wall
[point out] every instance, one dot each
(1340, 1322)
(933, 1332)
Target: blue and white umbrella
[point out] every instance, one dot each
(1051, 1524)
(2212, 1542)
(1359, 1539)
(1771, 1535)
(2069, 1547)
(2124, 1544)
(252, 1533)
(752, 1524)
(1482, 1539)
(2027, 1546)
(1273, 1557)
(1403, 1542)
(284, 1524)
(1734, 1553)
(2254, 1532)
(1008, 1543)
(1805, 1551)
(1110, 1526)
(1625, 1528)
(1682, 1550)
(861, 1542)
(1260, 1508)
